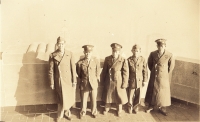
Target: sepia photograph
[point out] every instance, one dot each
(99, 60)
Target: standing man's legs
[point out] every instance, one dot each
(84, 95)
(131, 93)
(60, 111)
(136, 99)
(107, 108)
(93, 100)
(119, 110)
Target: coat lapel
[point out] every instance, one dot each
(65, 55)
(91, 61)
(57, 57)
(110, 63)
(84, 62)
(138, 61)
(119, 59)
(157, 58)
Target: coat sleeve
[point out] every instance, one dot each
(171, 64)
(145, 71)
(78, 69)
(104, 71)
(125, 74)
(73, 69)
(150, 62)
(51, 70)
(98, 69)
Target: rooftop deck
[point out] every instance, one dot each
(47, 113)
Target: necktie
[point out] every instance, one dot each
(114, 59)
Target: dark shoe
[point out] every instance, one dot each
(69, 118)
(163, 112)
(95, 114)
(149, 109)
(105, 112)
(67, 115)
(82, 114)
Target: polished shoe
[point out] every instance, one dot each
(82, 114)
(163, 112)
(130, 109)
(94, 115)
(149, 109)
(69, 118)
(105, 112)
(67, 115)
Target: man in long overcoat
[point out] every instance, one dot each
(160, 63)
(137, 78)
(115, 79)
(62, 74)
(88, 71)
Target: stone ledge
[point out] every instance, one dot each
(188, 60)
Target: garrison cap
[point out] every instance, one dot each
(60, 39)
(136, 46)
(116, 46)
(88, 48)
(161, 41)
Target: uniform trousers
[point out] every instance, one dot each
(134, 96)
(93, 96)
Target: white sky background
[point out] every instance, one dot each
(102, 22)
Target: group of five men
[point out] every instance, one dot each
(122, 78)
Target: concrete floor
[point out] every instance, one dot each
(177, 112)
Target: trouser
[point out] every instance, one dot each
(93, 97)
(108, 107)
(61, 111)
(134, 97)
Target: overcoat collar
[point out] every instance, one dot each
(85, 62)
(132, 59)
(157, 58)
(111, 63)
(58, 57)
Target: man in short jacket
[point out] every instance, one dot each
(137, 78)
(88, 71)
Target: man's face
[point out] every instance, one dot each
(61, 45)
(161, 47)
(88, 54)
(115, 53)
(136, 52)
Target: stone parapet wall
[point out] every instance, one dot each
(24, 78)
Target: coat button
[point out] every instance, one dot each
(156, 70)
(156, 75)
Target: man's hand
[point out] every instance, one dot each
(52, 86)
(143, 84)
(73, 84)
(123, 87)
(98, 79)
